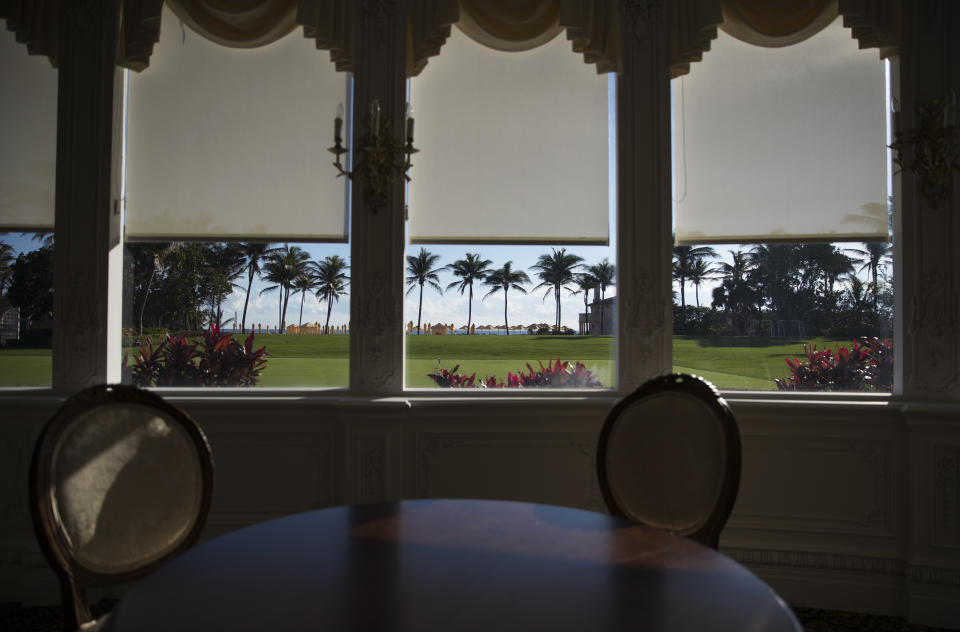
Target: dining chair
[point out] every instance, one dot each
(120, 481)
(669, 457)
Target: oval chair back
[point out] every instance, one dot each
(669, 457)
(120, 481)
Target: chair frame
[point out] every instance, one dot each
(709, 532)
(73, 575)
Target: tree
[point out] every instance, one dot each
(420, 271)
(585, 282)
(224, 263)
(683, 261)
(699, 272)
(148, 260)
(331, 282)
(282, 268)
(556, 271)
(504, 279)
(304, 284)
(873, 255)
(604, 272)
(31, 284)
(6, 265)
(735, 294)
(471, 268)
(254, 255)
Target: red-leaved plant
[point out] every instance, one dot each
(557, 374)
(866, 366)
(216, 360)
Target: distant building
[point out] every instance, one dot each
(590, 322)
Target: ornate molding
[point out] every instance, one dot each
(934, 575)
(641, 15)
(139, 32)
(330, 24)
(807, 560)
(372, 469)
(946, 497)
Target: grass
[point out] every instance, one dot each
(731, 363)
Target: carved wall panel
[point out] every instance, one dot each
(261, 475)
(823, 484)
(538, 467)
(946, 495)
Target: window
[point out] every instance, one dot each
(515, 150)
(782, 216)
(27, 181)
(228, 225)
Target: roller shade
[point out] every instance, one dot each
(513, 147)
(231, 144)
(781, 144)
(28, 129)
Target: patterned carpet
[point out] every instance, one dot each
(14, 618)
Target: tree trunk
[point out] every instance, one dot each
(243, 325)
(420, 309)
(505, 323)
(326, 327)
(143, 305)
(470, 309)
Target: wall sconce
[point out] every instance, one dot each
(382, 159)
(934, 144)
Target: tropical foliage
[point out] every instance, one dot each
(214, 360)
(866, 366)
(469, 269)
(557, 271)
(557, 374)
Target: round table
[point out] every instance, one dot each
(451, 565)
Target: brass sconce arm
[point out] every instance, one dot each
(382, 159)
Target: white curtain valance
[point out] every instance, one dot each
(28, 128)
(785, 144)
(514, 147)
(222, 143)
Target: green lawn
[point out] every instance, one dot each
(730, 363)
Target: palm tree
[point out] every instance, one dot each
(585, 282)
(505, 279)
(556, 271)
(282, 268)
(331, 282)
(6, 264)
(254, 255)
(470, 269)
(870, 258)
(604, 273)
(699, 272)
(224, 263)
(303, 284)
(683, 258)
(420, 271)
(159, 253)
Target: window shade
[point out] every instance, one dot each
(28, 129)
(781, 144)
(513, 147)
(225, 143)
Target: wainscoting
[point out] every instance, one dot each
(850, 504)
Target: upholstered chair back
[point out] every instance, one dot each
(669, 457)
(120, 482)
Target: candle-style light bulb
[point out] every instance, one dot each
(375, 119)
(338, 125)
(409, 124)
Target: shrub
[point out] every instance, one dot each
(215, 360)
(554, 375)
(867, 365)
